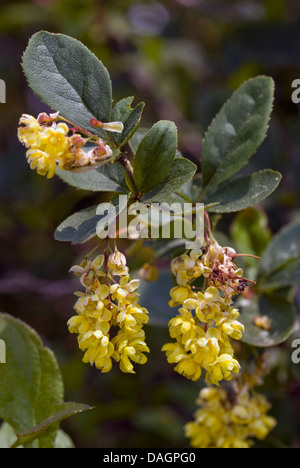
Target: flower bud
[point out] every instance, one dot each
(148, 272)
(117, 263)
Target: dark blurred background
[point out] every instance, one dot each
(183, 58)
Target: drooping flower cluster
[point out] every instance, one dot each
(49, 145)
(206, 321)
(109, 320)
(229, 421)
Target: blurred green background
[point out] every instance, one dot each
(183, 58)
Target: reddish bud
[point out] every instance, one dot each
(96, 123)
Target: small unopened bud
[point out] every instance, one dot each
(148, 272)
(95, 123)
(117, 127)
(117, 263)
(102, 147)
(78, 141)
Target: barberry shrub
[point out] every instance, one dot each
(215, 298)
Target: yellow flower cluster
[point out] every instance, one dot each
(229, 421)
(49, 145)
(206, 321)
(109, 320)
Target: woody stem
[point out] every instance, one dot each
(127, 166)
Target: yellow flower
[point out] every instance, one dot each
(109, 308)
(30, 132)
(44, 164)
(125, 291)
(79, 324)
(207, 348)
(129, 347)
(95, 305)
(174, 352)
(228, 323)
(226, 421)
(53, 140)
(46, 145)
(189, 368)
(187, 267)
(207, 321)
(208, 304)
(194, 350)
(98, 349)
(179, 294)
(132, 318)
(261, 427)
(90, 273)
(223, 368)
(183, 327)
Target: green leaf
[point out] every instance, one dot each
(243, 192)
(130, 118)
(108, 178)
(31, 390)
(154, 156)
(281, 313)
(78, 227)
(61, 412)
(69, 78)
(288, 275)
(283, 249)
(136, 139)
(8, 438)
(82, 225)
(181, 172)
(237, 131)
(192, 189)
(250, 232)
(31, 383)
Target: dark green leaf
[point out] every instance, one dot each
(82, 225)
(136, 138)
(130, 118)
(243, 192)
(237, 131)
(281, 313)
(155, 155)
(284, 248)
(288, 275)
(181, 172)
(67, 77)
(84, 221)
(192, 189)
